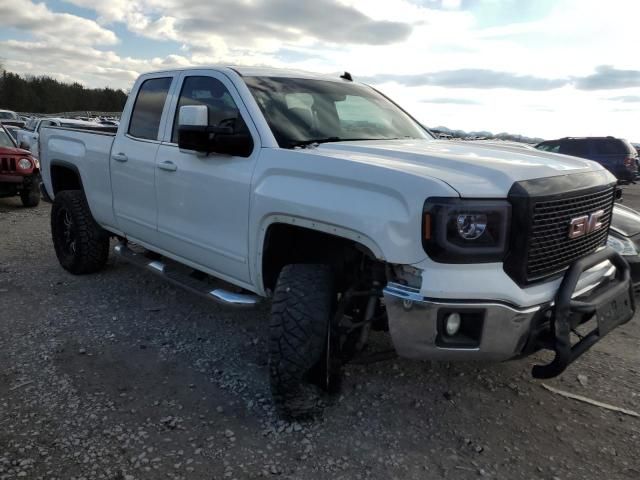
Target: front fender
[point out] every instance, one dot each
(378, 207)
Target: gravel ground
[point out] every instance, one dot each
(120, 376)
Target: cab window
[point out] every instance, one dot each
(147, 111)
(210, 92)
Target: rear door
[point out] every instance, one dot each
(133, 156)
(203, 201)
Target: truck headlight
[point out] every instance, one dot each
(24, 164)
(465, 231)
(622, 245)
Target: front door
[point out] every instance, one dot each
(203, 201)
(133, 156)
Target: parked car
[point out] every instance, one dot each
(624, 237)
(8, 117)
(19, 171)
(28, 137)
(324, 196)
(615, 154)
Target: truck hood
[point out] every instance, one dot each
(472, 169)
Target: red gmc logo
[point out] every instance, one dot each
(580, 226)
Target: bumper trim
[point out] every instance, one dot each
(413, 325)
(412, 294)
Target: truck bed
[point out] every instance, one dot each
(89, 151)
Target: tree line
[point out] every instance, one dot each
(46, 95)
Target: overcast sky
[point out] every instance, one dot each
(545, 68)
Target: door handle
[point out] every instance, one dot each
(168, 166)
(119, 157)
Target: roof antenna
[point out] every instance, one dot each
(347, 76)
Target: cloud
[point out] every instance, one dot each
(244, 24)
(38, 20)
(454, 101)
(626, 98)
(82, 63)
(471, 78)
(607, 77)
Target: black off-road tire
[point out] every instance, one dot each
(31, 196)
(81, 245)
(301, 313)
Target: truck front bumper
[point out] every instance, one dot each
(495, 331)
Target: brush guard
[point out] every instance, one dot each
(612, 304)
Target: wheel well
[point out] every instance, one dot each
(286, 244)
(64, 178)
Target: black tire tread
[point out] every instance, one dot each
(92, 245)
(31, 197)
(300, 315)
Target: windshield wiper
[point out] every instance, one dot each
(306, 143)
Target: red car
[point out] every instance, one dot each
(19, 171)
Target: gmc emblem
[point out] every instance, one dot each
(580, 226)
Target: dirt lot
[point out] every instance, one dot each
(120, 376)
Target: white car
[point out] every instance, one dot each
(9, 115)
(28, 136)
(325, 197)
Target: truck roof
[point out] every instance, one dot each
(248, 71)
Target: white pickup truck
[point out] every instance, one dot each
(326, 197)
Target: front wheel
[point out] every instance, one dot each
(300, 339)
(30, 197)
(81, 245)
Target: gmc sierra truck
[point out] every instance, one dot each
(327, 198)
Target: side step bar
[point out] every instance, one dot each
(186, 281)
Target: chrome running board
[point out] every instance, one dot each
(178, 275)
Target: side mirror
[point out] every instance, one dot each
(195, 134)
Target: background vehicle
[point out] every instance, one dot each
(28, 137)
(19, 171)
(615, 154)
(624, 237)
(8, 117)
(323, 195)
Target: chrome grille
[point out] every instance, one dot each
(550, 248)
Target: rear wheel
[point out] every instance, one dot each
(300, 347)
(81, 245)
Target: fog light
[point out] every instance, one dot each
(452, 323)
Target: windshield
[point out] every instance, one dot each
(5, 139)
(8, 116)
(302, 111)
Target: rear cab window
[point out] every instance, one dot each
(148, 107)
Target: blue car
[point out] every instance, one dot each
(615, 154)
